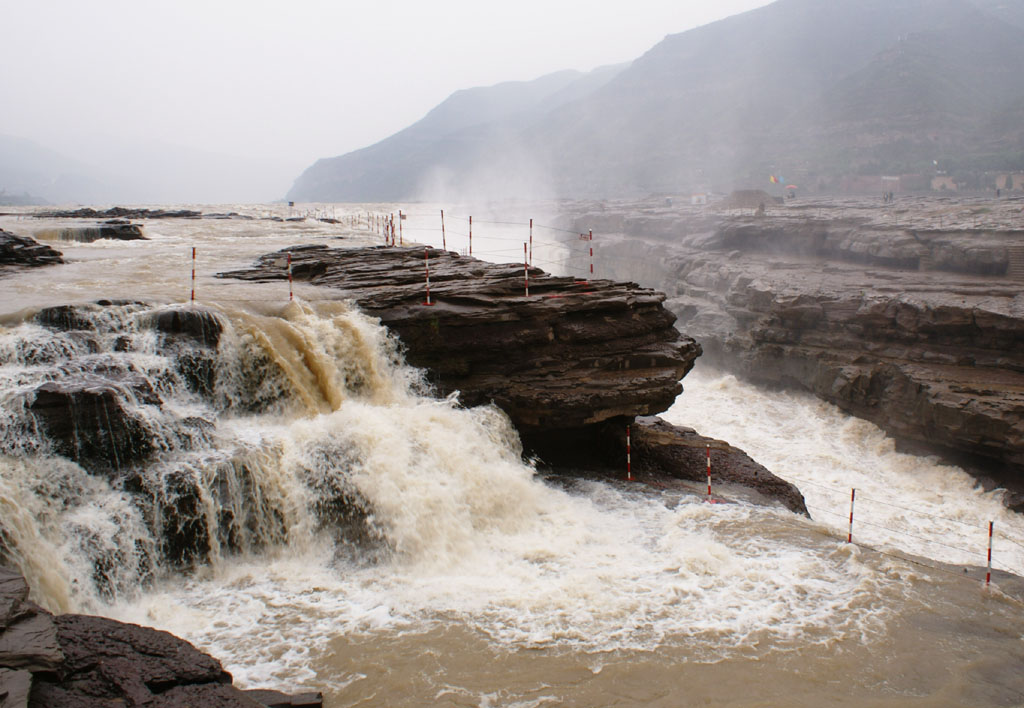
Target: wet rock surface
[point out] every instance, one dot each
(662, 454)
(571, 354)
(87, 421)
(60, 661)
(662, 448)
(23, 252)
(913, 320)
(92, 409)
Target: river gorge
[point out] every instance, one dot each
(364, 534)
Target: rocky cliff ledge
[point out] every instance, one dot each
(912, 319)
(573, 353)
(572, 364)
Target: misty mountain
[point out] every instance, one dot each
(27, 168)
(97, 169)
(814, 89)
(1011, 11)
(470, 127)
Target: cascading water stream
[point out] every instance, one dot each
(313, 433)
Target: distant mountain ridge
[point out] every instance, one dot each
(452, 137)
(816, 90)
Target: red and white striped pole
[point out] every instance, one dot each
(526, 271)
(629, 461)
(401, 237)
(290, 296)
(591, 239)
(531, 242)
(193, 274)
(988, 573)
(426, 264)
(709, 470)
(444, 243)
(849, 534)
(471, 235)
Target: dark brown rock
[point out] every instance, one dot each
(197, 325)
(28, 638)
(15, 686)
(79, 661)
(662, 448)
(571, 354)
(21, 251)
(98, 647)
(106, 660)
(13, 592)
(87, 421)
(660, 454)
(30, 642)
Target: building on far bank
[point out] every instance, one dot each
(1010, 182)
(891, 184)
(943, 183)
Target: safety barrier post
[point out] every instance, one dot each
(849, 534)
(629, 462)
(426, 265)
(988, 573)
(526, 271)
(193, 274)
(444, 244)
(591, 239)
(290, 297)
(531, 242)
(471, 235)
(401, 237)
(709, 469)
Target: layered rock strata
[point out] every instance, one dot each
(23, 252)
(570, 354)
(915, 326)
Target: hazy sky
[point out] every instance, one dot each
(296, 80)
(113, 83)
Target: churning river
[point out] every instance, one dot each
(483, 584)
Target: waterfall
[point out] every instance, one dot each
(139, 441)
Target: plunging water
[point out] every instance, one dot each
(390, 548)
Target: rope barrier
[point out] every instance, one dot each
(919, 538)
(838, 490)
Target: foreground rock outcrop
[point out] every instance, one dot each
(571, 354)
(71, 661)
(912, 319)
(21, 251)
